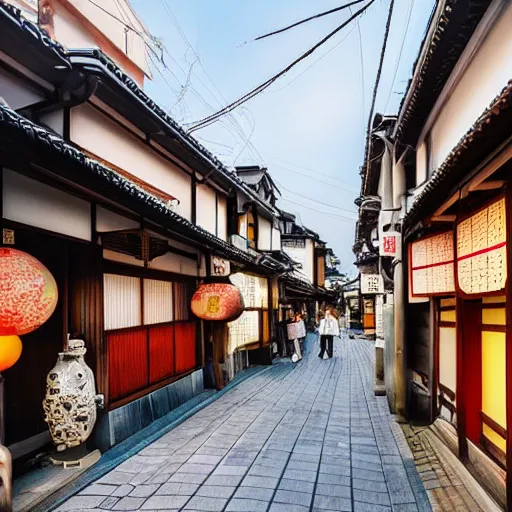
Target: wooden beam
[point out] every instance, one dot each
(488, 185)
(450, 202)
(444, 218)
(488, 170)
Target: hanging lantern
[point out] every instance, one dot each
(217, 301)
(28, 293)
(10, 351)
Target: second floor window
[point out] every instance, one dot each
(251, 230)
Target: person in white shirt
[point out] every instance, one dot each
(328, 329)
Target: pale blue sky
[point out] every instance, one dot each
(309, 127)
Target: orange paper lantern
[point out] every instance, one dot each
(28, 293)
(10, 351)
(217, 301)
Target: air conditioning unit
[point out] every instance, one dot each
(239, 242)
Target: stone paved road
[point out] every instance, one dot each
(310, 437)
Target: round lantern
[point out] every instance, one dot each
(217, 301)
(10, 351)
(28, 293)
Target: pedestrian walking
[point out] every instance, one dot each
(328, 329)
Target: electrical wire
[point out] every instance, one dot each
(377, 81)
(315, 176)
(318, 211)
(314, 63)
(228, 108)
(404, 37)
(233, 121)
(361, 60)
(308, 19)
(314, 200)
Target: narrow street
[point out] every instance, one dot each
(293, 438)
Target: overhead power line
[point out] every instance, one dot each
(314, 200)
(376, 87)
(319, 211)
(404, 37)
(308, 19)
(246, 97)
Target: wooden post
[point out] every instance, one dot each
(460, 391)
(508, 349)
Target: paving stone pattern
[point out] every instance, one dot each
(445, 489)
(303, 438)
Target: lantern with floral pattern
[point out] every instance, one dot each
(28, 293)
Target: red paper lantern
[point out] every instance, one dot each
(28, 293)
(10, 351)
(217, 301)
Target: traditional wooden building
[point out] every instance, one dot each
(447, 163)
(126, 210)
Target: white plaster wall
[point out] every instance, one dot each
(305, 256)
(222, 218)
(96, 133)
(276, 239)
(206, 207)
(17, 93)
(487, 74)
(25, 200)
(168, 262)
(264, 234)
(110, 221)
(421, 163)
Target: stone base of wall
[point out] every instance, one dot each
(117, 425)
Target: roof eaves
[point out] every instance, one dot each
(12, 125)
(450, 29)
(86, 57)
(448, 169)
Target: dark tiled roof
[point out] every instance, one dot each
(18, 132)
(68, 58)
(490, 130)
(452, 29)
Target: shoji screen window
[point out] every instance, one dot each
(122, 300)
(150, 335)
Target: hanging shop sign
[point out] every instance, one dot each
(482, 250)
(371, 284)
(431, 270)
(219, 267)
(254, 289)
(390, 244)
(217, 301)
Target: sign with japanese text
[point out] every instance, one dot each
(390, 244)
(482, 250)
(298, 243)
(371, 284)
(432, 265)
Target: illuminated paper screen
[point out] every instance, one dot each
(245, 330)
(432, 265)
(482, 250)
(254, 290)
